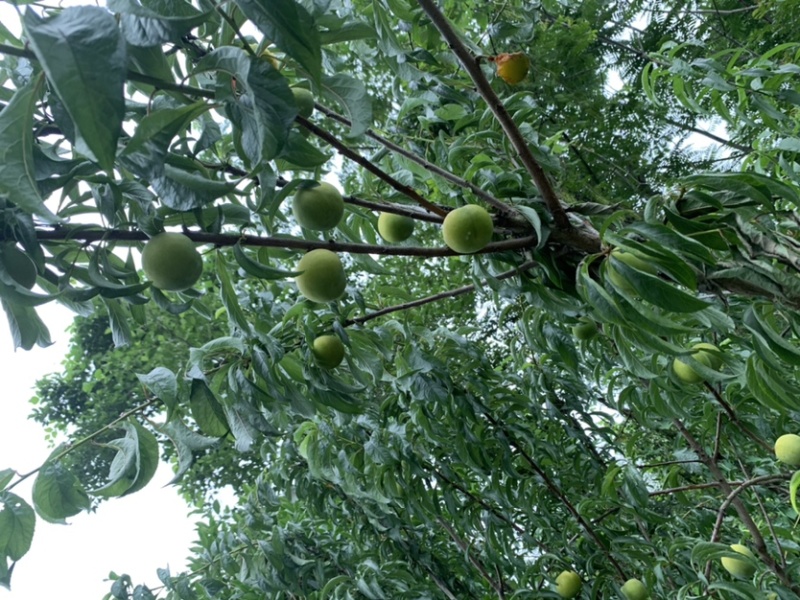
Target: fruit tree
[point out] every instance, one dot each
(463, 300)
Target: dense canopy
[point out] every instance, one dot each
(596, 391)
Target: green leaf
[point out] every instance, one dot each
(57, 492)
(187, 443)
(229, 300)
(657, 291)
(264, 109)
(25, 326)
(134, 464)
(118, 318)
(289, 25)
(17, 170)
(162, 125)
(17, 522)
(83, 55)
(256, 269)
(302, 154)
(6, 475)
(163, 383)
(351, 30)
(794, 483)
(351, 95)
(158, 21)
(207, 412)
(122, 471)
(147, 456)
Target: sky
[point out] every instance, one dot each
(137, 534)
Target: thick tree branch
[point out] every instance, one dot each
(222, 239)
(510, 128)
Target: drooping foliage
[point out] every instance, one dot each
(499, 417)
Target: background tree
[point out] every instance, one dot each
(499, 417)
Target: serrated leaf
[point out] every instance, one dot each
(206, 410)
(17, 523)
(164, 384)
(57, 492)
(290, 26)
(83, 54)
(159, 22)
(351, 95)
(264, 108)
(6, 475)
(187, 443)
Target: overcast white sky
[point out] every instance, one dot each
(135, 535)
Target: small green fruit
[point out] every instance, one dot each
(634, 590)
(19, 266)
(787, 449)
(700, 353)
(738, 567)
(632, 260)
(467, 229)
(568, 584)
(319, 207)
(328, 350)
(585, 330)
(322, 278)
(304, 100)
(171, 262)
(395, 228)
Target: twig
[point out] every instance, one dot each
(464, 547)
(130, 75)
(429, 166)
(83, 441)
(370, 166)
(741, 509)
(398, 209)
(767, 518)
(510, 128)
(433, 298)
(554, 489)
(734, 417)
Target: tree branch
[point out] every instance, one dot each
(510, 128)
(433, 298)
(435, 169)
(222, 239)
(369, 166)
(554, 489)
(741, 509)
(464, 547)
(130, 75)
